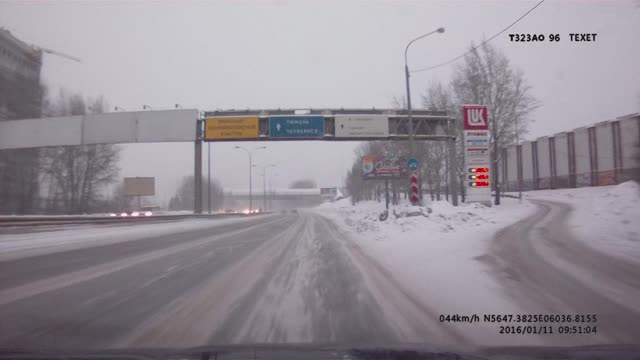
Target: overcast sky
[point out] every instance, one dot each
(266, 54)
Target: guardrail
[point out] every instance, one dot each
(6, 221)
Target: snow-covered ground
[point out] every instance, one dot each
(14, 246)
(434, 256)
(606, 218)
(437, 256)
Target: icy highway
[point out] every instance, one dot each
(301, 277)
(282, 278)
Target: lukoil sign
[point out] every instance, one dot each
(476, 117)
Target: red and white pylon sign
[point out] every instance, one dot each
(414, 188)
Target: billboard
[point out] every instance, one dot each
(381, 167)
(139, 186)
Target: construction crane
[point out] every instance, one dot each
(53, 52)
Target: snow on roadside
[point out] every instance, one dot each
(437, 256)
(607, 218)
(14, 246)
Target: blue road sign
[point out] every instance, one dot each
(296, 126)
(412, 164)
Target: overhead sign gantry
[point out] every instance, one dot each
(228, 125)
(324, 124)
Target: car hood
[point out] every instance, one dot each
(312, 352)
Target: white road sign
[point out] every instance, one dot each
(362, 125)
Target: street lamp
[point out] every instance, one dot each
(517, 172)
(117, 108)
(406, 75)
(144, 107)
(250, 166)
(178, 106)
(264, 184)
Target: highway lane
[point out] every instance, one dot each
(290, 278)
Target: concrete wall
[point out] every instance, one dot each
(562, 160)
(511, 180)
(630, 149)
(583, 165)
(544, 167)
(605, 174)
(527, 166)
(604, 154)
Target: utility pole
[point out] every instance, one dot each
(495, 161)
(518, 176)
(414, 197)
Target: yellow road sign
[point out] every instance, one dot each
(231, 127)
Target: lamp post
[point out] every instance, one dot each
(249, 152)
(209, 177)
(406, 77)
(264, 184)
(517, 173)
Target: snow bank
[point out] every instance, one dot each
(436, 256)
(607, 218)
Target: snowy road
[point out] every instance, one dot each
(544, 267)
(304, 278)
(291, 278)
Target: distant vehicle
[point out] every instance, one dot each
(254, 211)
(229, 211)
(143, 212)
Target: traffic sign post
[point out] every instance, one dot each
(412, 164)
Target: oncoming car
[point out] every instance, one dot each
(143, 212)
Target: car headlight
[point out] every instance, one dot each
(148, 213)
(123, 214)
(135, 213)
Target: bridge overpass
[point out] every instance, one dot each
(238, 199)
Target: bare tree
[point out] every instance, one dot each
(486, 77)
(77, 175)
(439, 97)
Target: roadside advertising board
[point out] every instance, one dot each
(139, 186)
(376, 167)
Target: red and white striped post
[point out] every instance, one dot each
(414, 188)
